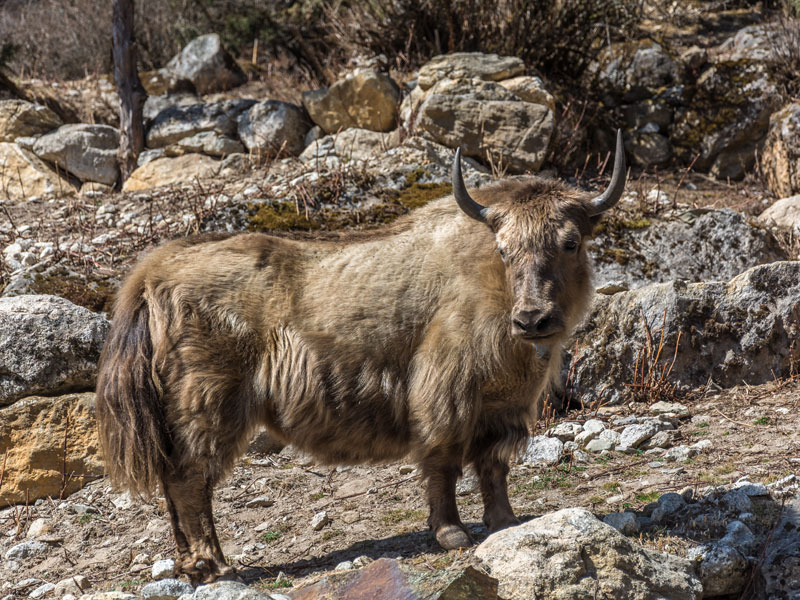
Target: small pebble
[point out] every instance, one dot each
(319, 520)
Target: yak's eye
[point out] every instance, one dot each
(502, 254)
(571, 245)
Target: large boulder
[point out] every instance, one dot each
(177, 122)
(211, 143)
(388, 578)
(488, 122)
(571, 554)
(631, 71)
(468, 65)
(274, 127)
(780, 158)
(89, 152)
(19, 118)
(730, 333)
(729, 106)
(36, 432)
(350, 144)
(780, 567)
(368, 100)
(47, 346)
(205, 63)
(184, 169)
(639, 252)
(23, 174)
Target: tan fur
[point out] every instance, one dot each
(365, 348)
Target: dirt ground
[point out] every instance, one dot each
(377, 511)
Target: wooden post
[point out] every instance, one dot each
(131, 93)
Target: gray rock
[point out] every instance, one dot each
(646, 147)
(42, 590)
(751, 489)
(227, 590)
(780, 567)
(166, 589)
(738, 535)
(722, 569)
(599, 445)
(21, 119)
(661, 407)
(624, 522)
(627, 73)
(662, 439)
(684, 247)
(47, 346)
(163, 569)
(273, 127)
(469, 65)
(25, 550)
(737, 501)
(679, 454)
(89, 152)
(725, 141)
(542, 451)
(260, 502)
(633, 435)
(77, 585)
(319, 520)
(488, 122)
(156, 104)
(780, 163)
(205, 63)
(571, 554)
(177, 122)
(211, 143)
(367, 100)
(733, 332)
(565, 431)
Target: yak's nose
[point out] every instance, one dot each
(536, 323)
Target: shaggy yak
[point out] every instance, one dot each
(434, 338)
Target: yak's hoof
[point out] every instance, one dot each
(451, 537)
(497, 524)
(208, 570)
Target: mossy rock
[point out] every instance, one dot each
(97, 296)
(282, 216)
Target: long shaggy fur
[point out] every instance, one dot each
(356, 349)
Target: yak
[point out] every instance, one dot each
(433, 338)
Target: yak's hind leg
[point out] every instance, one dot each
(188, 498)
(441, 469)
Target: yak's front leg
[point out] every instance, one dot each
(441, 470)
(188, 498)
(493, 476)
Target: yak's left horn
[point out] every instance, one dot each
(614, 191)
(465, 201)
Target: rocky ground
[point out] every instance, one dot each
(668, 466)
(268, 512)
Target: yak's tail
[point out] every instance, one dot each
(130, 410)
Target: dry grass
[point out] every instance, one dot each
(651, 377)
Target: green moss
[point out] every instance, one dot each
(282, 216)
(416, 194)
(96, 296)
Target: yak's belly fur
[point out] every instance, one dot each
(332, 401)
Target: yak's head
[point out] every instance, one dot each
(541, 228)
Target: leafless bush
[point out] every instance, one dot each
(557, 38)
(785, 42)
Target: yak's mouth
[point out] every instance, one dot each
(538, 340)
